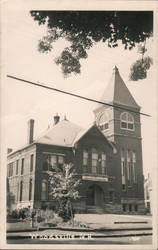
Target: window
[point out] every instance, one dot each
(127, 121)
(124, 207)
(60, 159)
(46, 162)
(94, 161)
(22, 166)
(103, 122)
(129, 167)
(21, 191)
(44, 190)
(85, 158)
(17, 167)
(104, 126)
(31, 162)
(51, 161)
(130, 207)
(123, 169)
(30, 189)
(134, 167)
(103, 163)
(136, 208)
(10, 169)
(128, 155)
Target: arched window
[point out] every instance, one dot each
(30, 189)
(44, 190)
(127, 121)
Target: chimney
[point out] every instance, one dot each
(56, 119)
(30, 131)
(9, 150)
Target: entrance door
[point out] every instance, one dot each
(90, 196)
(95, 196)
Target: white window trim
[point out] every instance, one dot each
(50, 153)
(127, 122)
(102, 124)
(85, 158)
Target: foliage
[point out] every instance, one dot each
(139, 68)
(85, 28)
(63, 186)
(21, 213)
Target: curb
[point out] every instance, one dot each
(81, 229)
(78, 236)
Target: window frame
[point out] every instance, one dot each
(134, 160)
(21, 191)
(85, 157)
(129, 168)
(124, 207)
(103, 163)
(11, 169)
(22, 166)
(103, 125)
(127, 121)
(47, 159)
(17, 167)
(30, 189)
(94, 159)
(31, 162)
(44, 181)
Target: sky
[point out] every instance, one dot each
(21, 102)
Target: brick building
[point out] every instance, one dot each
(107, 157)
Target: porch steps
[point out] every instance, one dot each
(95, 210)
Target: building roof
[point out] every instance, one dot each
(85, 131)
(66, 133)
(117, 93)
(61, 134)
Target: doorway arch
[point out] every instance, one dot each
(95, 196)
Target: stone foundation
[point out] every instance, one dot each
(113, 208)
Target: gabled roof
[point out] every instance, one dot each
(61, 134)
(66, 133)
(85, 131)
(117, 92)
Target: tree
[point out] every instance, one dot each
(140, 67)
(63, 185)
(85, 28)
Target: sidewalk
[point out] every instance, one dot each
(115, 221)
(100, 225)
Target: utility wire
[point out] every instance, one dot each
(75, 95)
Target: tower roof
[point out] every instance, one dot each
(117, 92)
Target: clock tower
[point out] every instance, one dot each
(119, 121)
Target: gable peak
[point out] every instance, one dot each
(115, 70)
(117, 92)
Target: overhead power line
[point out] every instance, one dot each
(75, 95)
